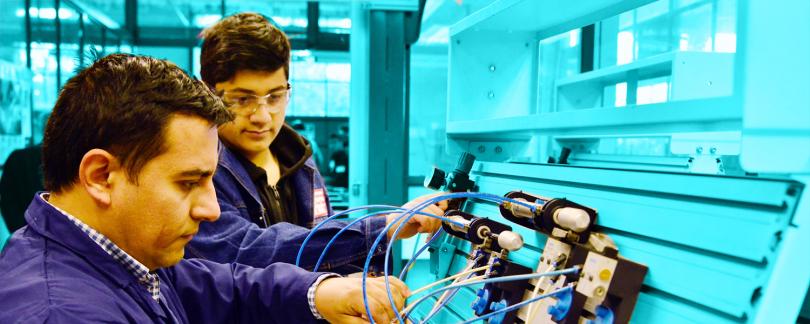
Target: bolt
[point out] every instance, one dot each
(444, 249)
(713, 150)
(492, 68)
(491, 94)
(699, 150)
(710, 83)
(481, 149)
(498, 149)
(599, 291)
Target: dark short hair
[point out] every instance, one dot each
(122, 104)
(244, 41)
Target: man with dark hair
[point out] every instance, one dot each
(266, 180)
(128, 157)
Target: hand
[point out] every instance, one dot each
(419, 223)
(340, 300)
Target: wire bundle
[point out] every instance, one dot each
(402, 219)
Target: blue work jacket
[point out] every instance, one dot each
(234, 237)
(51, 271)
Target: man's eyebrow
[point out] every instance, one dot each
(241, 90)
(196, 173)
(281, 87)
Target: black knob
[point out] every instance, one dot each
(435, 179)
(465, 163)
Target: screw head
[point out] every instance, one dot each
(492, 68)
(604, 274)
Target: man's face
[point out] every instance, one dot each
(175, 192)
(251, 132)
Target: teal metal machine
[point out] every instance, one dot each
(684, 124)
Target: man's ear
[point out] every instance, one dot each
(96, 175)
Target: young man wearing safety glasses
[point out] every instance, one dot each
(269, 190)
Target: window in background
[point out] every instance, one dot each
(320, 88)
(12, 32)
(559, 58)
(177, 55)
(427, 144)
(195, 62)
(666, 26)
(112, 43)
(43, 55)
(290, 16)
(70, 37)
(334, 18)
(94, 35)
(428, 114)
(15, 82)
(110, 12)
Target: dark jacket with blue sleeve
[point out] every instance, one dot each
(236, 237)
(53, 272)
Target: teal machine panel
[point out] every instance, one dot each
(685, 124)
(713, 244)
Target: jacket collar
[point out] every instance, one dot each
(229, 161)
(52, 224)
(291, 149)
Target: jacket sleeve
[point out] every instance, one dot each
(225, 293)
(232, 238)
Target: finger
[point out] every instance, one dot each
(422, 218)
(399, 301)
(398, 288)
(442, 204)
(433, 209)
(428, 224)
(377, 311)
(435, 226)
(381, 310)
(399, 284)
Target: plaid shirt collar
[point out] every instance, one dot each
(148, 280)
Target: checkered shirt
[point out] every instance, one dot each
(147, 279)
(311, 294)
